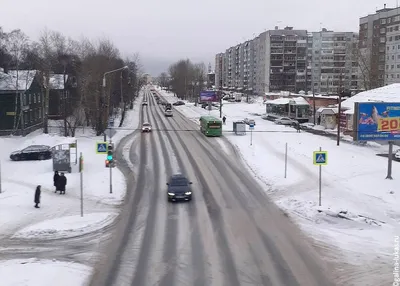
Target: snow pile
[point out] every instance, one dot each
(359, 213)
(33, 272)
(66, 227)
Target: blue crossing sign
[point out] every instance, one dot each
(251, 125)
(101, 147)
(320, 158)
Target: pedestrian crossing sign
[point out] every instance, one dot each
(101, 147)
(320, 158)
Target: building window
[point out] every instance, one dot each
(389, 20)
(392, 67)
(383, 21)
(383, 40)
(383, 30)
(34, 98)
(24, 100)
(390, 38)
(392, 57)
(39, 97)
(387, 48)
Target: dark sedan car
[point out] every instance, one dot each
(33, 152)
(178, 103)
(179, 188)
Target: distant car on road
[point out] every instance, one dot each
(179, 188)
(168, 113)
(146, 127)
(178, 103)
(286, 121)
(33, 152)
(249, 121)
(144, 103)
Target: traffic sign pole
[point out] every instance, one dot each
(110, 166)
(320, 181)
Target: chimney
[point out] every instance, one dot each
(276, 28)
(384, 6)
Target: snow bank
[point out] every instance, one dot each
(33, 272)
(66, 227)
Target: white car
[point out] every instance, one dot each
(146, 127)
(397, 154)
(285, 121)
(144, 103)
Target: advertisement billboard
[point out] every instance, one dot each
(209, 96)
(377, 121)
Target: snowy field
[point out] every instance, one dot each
(33, 272)
(359, 217)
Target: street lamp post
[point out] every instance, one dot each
(104, 85)
(108, 111)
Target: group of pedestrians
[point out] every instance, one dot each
(59, 182)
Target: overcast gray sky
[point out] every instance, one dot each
(162, 31)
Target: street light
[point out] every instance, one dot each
(106, 73)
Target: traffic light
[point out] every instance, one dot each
(110, 155)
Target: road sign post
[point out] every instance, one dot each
(320, 158)
(285, 160)
(251, 126)
(81, 177)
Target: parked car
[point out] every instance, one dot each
(33, 152)
(249, 121)
(286, 121)
(397, 154)
(179, 188)
(178, 103)
(146, 127)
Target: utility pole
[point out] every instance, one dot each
(339, 109)
(313, 96)
(65, 103)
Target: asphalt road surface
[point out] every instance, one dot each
(229, 234)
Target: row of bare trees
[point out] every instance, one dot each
(85, 62)
(185, 79)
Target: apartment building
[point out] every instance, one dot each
(275, 60)
(333, 62)
(392, 67)
(374, 67)
(219, 70)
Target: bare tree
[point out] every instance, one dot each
(163, 80)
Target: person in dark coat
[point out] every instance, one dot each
(224, 119)
(62, 182)
(56, 178)
(37, 196)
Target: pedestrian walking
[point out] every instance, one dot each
(37, 196)
(223, 120)
(56, 179)
(62, 183)
(298, 127)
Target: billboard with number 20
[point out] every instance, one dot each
(209, 96)
(377, 121)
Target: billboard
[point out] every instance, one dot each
(209, 96)
(377, 121)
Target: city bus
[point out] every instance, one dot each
(210, 126)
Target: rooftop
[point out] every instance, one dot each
(13, 79)
(388, 93)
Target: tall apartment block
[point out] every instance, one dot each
(334, 64)
(219, 70)
(275, 60)
(379, 47)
